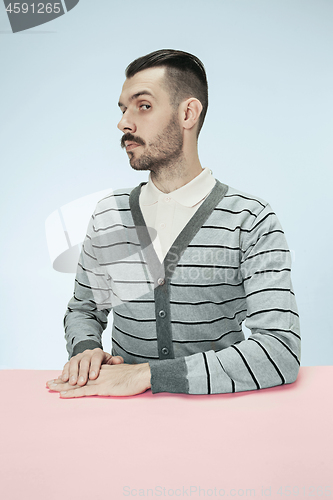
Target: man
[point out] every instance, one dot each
(181, 260)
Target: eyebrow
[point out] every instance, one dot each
(135, 96)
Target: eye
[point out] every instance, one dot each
(147, 106)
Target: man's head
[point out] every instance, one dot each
(184, 77)
(163, 101)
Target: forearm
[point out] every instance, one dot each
(83, 330)
(260, 362)
(87, 312)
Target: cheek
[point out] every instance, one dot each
(157, 128)
(161, 120)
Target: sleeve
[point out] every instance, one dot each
(271, 354)
(87, 312)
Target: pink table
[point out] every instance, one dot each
(264, 443)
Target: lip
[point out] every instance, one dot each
(131, 145)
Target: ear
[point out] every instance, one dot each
(190, 112)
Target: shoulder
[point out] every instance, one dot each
(114, 200)
(238, 201)
(254, 215)
(111, 211)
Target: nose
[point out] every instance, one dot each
(126, 124)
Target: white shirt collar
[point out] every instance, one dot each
(188, 195)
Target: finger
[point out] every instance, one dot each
(73, 370)
(87, 390)
(117, 360)
(61, 386)
(54, 381)
(57, 380)
(95, 364)
(57, 386)
(84, 370)
(65, 372)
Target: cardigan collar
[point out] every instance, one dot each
(158, 269)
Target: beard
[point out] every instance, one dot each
(164, 152)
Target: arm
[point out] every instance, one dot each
(88, 310)
(86, 318)
(271, 355)
(84, 322)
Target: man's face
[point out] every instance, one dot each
(152, 134)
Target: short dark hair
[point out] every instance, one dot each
(185, 76)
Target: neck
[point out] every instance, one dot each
(177, 175)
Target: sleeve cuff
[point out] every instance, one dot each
(169, 375)
(85, 344)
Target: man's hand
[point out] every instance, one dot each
(87, 363)
(117, 380)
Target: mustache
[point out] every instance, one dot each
(130, 137)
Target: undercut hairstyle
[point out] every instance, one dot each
(185, 76)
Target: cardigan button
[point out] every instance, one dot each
(160, 281)
(162, 314)
(165, 350)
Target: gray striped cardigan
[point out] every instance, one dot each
(184, 316)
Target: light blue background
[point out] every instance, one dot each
(268, 132)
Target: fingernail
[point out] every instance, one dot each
(92, 374)
(81, 379)
(63, 392)
(72, 378)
